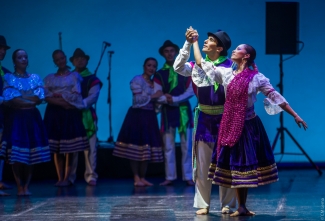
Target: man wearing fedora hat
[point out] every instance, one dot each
(90, 88)
(208, 116)
(3, 49)
(176, 112)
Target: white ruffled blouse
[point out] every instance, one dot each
(15, 86)
(141, 91)
(209, 74)
(68, 86)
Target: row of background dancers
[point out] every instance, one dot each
(69, 124)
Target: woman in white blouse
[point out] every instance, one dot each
(139, 138)
(245, 158)
(63, 117)
(24, 141)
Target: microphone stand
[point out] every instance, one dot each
(60, 40)
(95, 72)
(109, 98)
(282, 129)
(100, 59)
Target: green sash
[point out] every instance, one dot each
(89, 124)
(172, 77)
(1, 71)
(87, 117)
(184, 119)
(173, 81)
(210, 110)
(85, 73)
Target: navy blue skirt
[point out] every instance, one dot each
(65, 129)
(249, 163)
(24, 137)
(139, 138)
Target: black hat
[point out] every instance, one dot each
(222, 38)
(3, 42)
(77, 54)
(166, 44)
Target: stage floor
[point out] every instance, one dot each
(299, 195)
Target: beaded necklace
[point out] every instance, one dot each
(62, 73)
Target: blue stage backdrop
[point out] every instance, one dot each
(136, 29)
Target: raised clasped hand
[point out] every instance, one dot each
(191, 35)
(301, 122)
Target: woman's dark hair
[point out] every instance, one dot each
(150, 59)
(56, 52)
(59, 51)
(15, 53)
(250, 50)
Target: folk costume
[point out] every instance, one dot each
(177, 115)
(207, 120)
(24, 138)
(244, 155)
(139, 138)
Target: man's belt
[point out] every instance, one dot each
(211, 110)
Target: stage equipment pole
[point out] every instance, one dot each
(283, 129)
(109, 98)
(60, 40)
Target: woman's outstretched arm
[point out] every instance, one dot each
(286, 107)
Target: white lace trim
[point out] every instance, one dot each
(272, 101)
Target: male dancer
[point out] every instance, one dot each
(90, 88)
(3, 49)
(207, 118)
(176, 113)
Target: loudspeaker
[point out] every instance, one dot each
(282, 27)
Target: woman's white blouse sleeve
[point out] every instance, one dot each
(273, 98)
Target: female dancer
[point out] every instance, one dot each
(139, 138)
(24, 141)
(63, 117)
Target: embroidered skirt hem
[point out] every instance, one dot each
(248, 179)
(69, 146)
(138, 153)
(24, 137)
(249, 163)
(139, 138)
(25, 155)
(65, 129)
